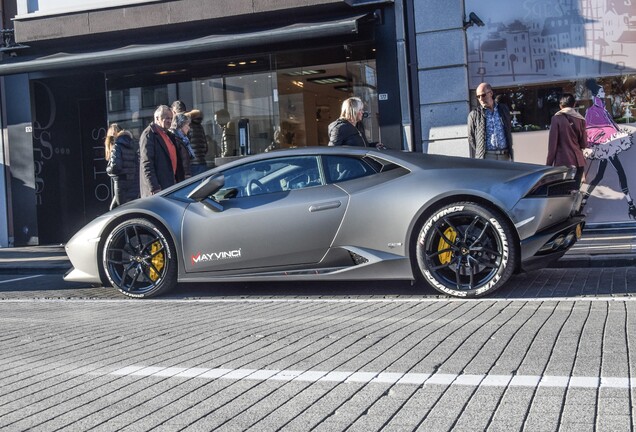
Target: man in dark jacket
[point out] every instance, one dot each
(489, 127)
(160, 162)
(568, 137)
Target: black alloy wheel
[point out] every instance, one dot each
(466, 250)
(139, 259)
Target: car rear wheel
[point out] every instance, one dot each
(466, 250)
(139, 259)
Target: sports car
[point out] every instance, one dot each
(460, 225)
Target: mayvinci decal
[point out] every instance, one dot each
(215, 256)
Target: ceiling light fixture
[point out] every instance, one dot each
(306, 72)
(336, 79)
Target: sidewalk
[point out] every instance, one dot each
(34, 259)
(606, 247)
(597, 248)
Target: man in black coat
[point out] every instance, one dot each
(160, 162)
(489, 127)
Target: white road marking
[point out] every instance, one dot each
(22, 278)
(363, 377)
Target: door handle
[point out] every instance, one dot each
(324, 206)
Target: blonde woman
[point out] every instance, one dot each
(345, 131)
(111, 134)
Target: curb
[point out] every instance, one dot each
(595, 261)
(23, 269)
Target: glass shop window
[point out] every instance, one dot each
(532, 107)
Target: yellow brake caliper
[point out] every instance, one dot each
(158, 261)
(445, 257)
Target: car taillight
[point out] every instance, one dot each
(558, 184)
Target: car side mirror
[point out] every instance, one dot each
(208, 187)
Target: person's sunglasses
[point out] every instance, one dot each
(480, 96)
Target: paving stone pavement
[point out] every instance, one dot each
(551, 351)
(356, 364)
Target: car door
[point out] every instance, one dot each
(275, 214)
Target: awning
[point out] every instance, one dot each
(295, 32)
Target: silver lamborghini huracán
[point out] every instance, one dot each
(461, 225)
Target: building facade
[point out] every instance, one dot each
(263, 75)
(268, 74)
(531, 52)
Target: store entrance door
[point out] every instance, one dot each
(68, 131)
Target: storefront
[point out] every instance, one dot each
(259, 102)
(533, 53)
(279, 85)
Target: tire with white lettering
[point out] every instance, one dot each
(139, 259)
(466, 250)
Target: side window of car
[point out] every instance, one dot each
(270, 176)
(343, 168)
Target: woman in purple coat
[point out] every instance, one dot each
(605, 142)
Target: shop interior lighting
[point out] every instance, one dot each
(345, 88)
(306, 72)
(241, 63)
(170, 72)
(336, 79)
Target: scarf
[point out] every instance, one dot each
(186, 141)
(172, 151)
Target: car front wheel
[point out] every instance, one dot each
(139, 259)
(466, 250)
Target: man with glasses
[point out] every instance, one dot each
(489, 127)
(160, 162)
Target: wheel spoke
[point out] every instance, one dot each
(483, 231)
(442, 266)
(442, 251)
(145, 248)
(155, 253)
(135, 277)
(458, 279)
(470, 228)
(141, 274)
(129, 240)
(490, 251)
(485, 263)
(155, 269)
(447, 221)
(471, 274)
(443, 235)
(117, 252)
(125, 275)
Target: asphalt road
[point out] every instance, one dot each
(552, 351)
